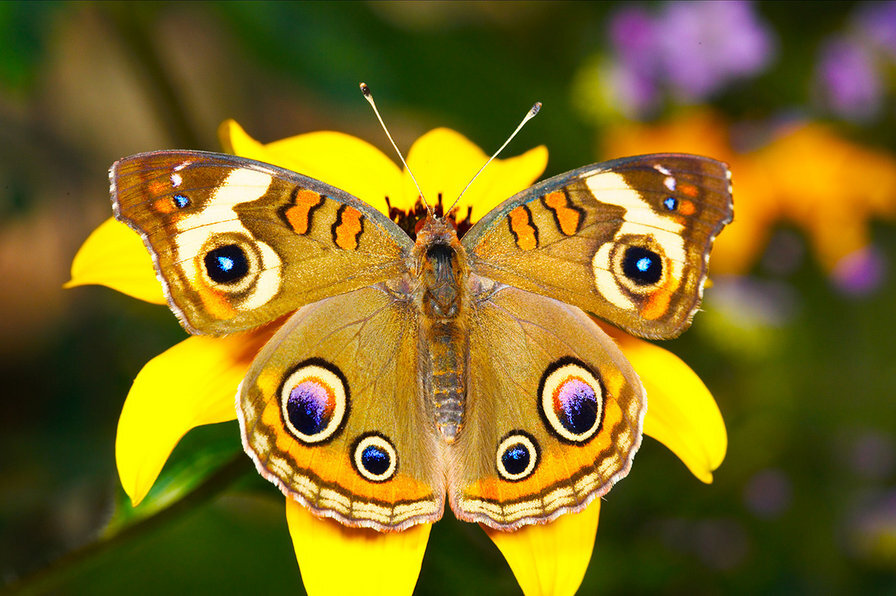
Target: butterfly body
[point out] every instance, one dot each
(442, 297)
(414, 372)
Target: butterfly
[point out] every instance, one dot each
(409, 371)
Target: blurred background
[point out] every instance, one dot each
(796, 337)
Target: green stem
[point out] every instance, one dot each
(40, 580)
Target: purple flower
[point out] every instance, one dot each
(704, 45)
(861, 272)
(878, 23)
(633, 35)
(848, 79)
(692, 48)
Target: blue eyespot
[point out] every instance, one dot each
(517, 456)
(575, 404)
(180, 201)
(226, 264)
(374, 457)
(670, 203)
(642, 266)
(375, 460)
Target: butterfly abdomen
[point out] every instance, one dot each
(446, 344)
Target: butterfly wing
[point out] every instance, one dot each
(332, 412)
(554, 412)
(237, 243)
(627, 240)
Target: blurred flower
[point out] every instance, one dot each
(690, 49)
(769, 493)
(860, 272)
(705, 45)
(193, 383)
(633, 34)
(803, 173)
(849, 80)
(877, 20)
(851, 75)
(871, 455)
(871, 529)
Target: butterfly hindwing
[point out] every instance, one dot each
(628, 240)
(238, 243)
(332, 413)
(553, 416)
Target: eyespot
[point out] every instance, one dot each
(180, 201)
(670, 203)
(314, 401)
(517, 456)
(226, 264)
(642, 266)
(230, 262)
(571, 400)
(374, 457)
(638, 263)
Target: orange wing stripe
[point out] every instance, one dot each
(521, 227)
(568, 218)
(299, 215)
(348, 227)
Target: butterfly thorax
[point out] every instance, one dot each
(442, 299)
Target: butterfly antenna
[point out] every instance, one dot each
(529, 115)
(365, 90)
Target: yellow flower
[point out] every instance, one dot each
(805, 174)
(193, 383)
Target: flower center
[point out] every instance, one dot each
(412, 220)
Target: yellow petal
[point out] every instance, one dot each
(341, 160)
(335, 559)
(681, 412)
(114, 256)
(550, 559)
(444, 161)
(190, 384)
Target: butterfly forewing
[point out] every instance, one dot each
(238, 243)
(627, 240)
